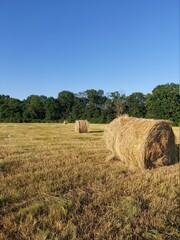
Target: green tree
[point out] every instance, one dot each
(95, 105)
(78, 109)
(34, 110)
(118, 102)
(164, 103)
(52, 109)
(10, 109)
(109, 111)
(136, 104)
(66, 101)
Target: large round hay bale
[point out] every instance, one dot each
(81, 126)
(144, 143)
(65, 122)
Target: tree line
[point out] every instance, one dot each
(93, 105)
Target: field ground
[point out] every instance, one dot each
(56, 184)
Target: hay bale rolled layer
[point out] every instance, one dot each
(81, 126)
(144, 143)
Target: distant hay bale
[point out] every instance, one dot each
(65, 122)
(81, 126)
(144, 143)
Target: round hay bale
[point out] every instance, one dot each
(65, 122)
(144, 143)
(81, 126)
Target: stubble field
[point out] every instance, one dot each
(57, 184)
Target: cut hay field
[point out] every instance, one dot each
(56, 184)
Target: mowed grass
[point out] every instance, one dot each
(56, 184)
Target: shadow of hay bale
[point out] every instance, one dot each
(178, 152)
(96, 131)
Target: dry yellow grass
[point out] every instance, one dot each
(177, 134)
(56, 184)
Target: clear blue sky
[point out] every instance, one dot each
(115, 45)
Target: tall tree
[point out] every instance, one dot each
(10, 109)
(136, 104)
(109, 111)
(34, 108)
(78, 109)
(95, 104)
(66, 101)
(118, 102)
(52, 109)
(164, 103)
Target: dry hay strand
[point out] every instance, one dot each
(143, 143)
(81, 126)
(65, 122)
